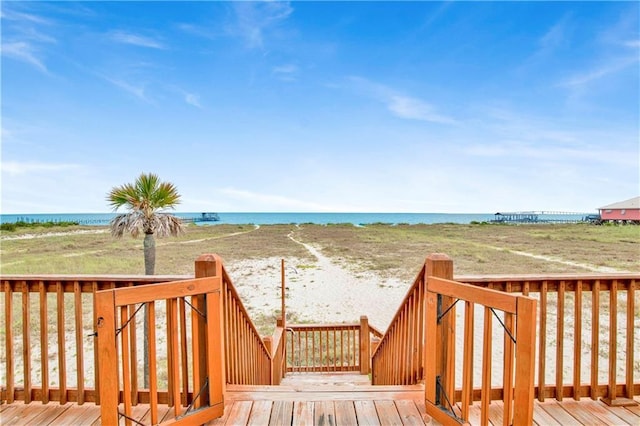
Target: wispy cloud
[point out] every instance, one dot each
(400, 105)
(287, 72)
(19, 168)
(254, 19)
(136, 40)
(25, 52)
(136, 90)
(599, 72)
(192, 99)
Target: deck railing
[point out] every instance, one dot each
(399, 356)
(60, 364)
(588, 341)
(330, 347)
(604, 309)
(248, 360)
(49, 348)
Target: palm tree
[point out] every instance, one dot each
(146, 198)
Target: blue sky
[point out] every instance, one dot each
(322, 106)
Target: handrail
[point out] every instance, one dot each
(398, 357)
(248, 360)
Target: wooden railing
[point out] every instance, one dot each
(248, 360)
(517, 318)
(329, 347)
(399, 356)
(49, 320)
(194, 349)
(600, 307)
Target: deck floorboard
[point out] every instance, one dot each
(363, 407)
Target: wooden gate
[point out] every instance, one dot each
(194, 361)
(519, 313)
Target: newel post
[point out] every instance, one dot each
(365, 346)
(443, 336)
(206, 265)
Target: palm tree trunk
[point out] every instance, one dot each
(149, 269)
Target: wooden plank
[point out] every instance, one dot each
(557, 411)
(324, 413)
(303, 413)
(260, 413)
(107, 351)
(26, 414)
(387, 412)
(542, 342)
(345, 413)
(630, 338)
(484, 296)
(595, 337)
(151, 292)
(592, 412)
(126, 366)
(560, 341)
(366, 413)
(543, 418)
(408, 412)
(8, 321)
(153, 371)
(281, 413)
(77, 307)
(74, 415)
(577, 340)
(44, 344)
(62, 365)
(26, 344)
(239, 413)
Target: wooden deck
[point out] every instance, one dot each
(325, 401)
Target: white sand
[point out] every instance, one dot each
(318, 292)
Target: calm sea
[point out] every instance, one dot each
(101, 219)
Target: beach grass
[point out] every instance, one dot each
(394, 251)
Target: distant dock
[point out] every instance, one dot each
(543, 217)
(204, 217)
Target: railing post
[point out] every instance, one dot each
(525, 361)
(365, 346)
(441, 266)
(108, 354)
(206, 265)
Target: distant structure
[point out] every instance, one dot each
(627, 211)
(541, 217)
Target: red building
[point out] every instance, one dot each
(628, 210)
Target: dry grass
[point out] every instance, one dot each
(394, 251)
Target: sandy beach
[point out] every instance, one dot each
(322, 291)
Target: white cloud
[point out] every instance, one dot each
(599, 72)
(136, 90)
(136, 40)
(415, 109)
(287, 72)
(24, 52)
(254, 19)
(192, 99)
(400, 105)
(15, 168)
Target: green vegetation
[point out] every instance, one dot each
(394, 251)
(13, 226)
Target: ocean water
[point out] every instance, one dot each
(102, 219)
